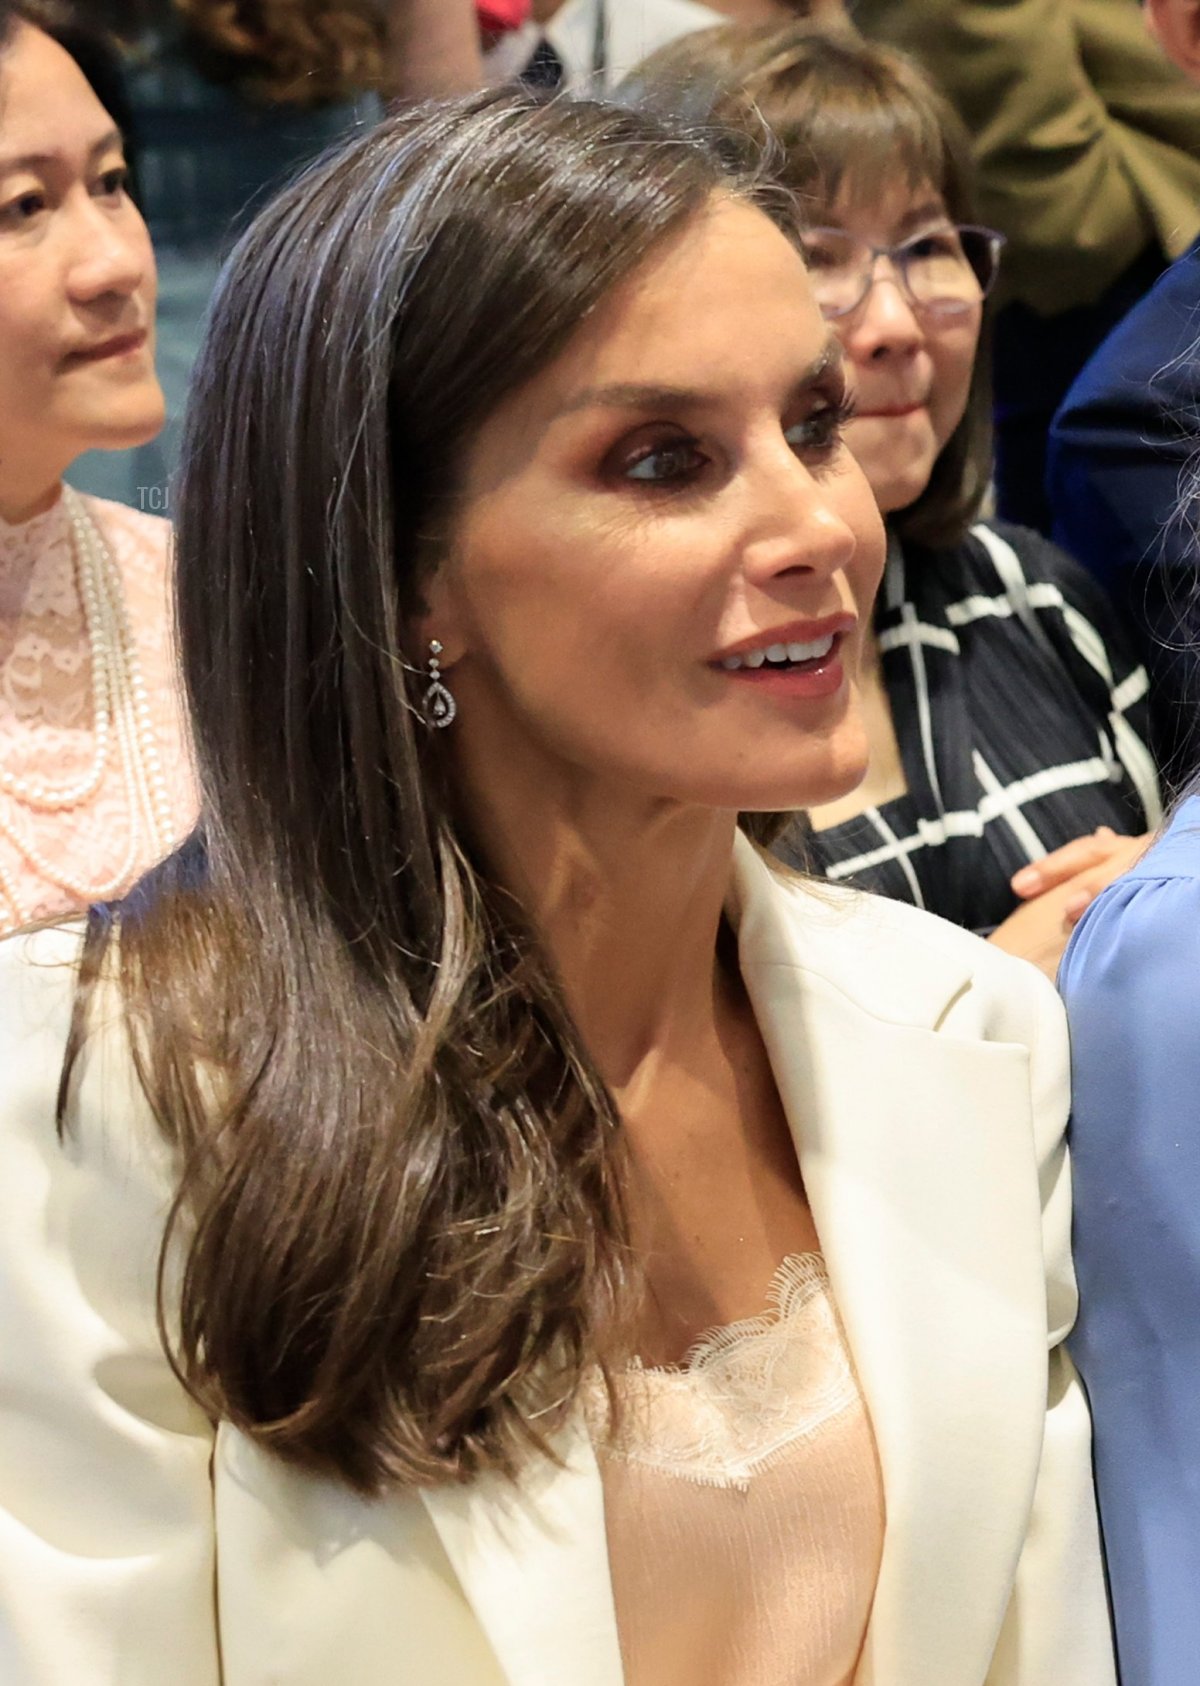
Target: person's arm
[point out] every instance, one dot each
(1052, 175)
(107, 1555)
(1129, 981)
(1039, 928)
(434, 47)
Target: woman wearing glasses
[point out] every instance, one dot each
(1009, 777)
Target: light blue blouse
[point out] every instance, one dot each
(1131, 980)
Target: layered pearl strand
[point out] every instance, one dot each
(120, 711)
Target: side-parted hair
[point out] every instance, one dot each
(88, 43)
(850, 119)
(399, 1240)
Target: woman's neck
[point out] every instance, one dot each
(633, 933)
(24, 497)
(627, 899)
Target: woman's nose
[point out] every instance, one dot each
(885, 323)
(800, 525)
(107, 257)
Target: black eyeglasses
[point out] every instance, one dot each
(945, 270)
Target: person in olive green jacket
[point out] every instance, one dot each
(1088, 147)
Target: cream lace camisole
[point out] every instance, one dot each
(743, 1502)
(83, 812)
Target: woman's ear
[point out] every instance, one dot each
(1175, 25)
(441, 615)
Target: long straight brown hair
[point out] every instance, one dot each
(399, 1212)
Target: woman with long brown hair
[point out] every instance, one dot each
(474, 1068)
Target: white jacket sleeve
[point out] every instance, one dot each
(106, 1532)
(1057, 1629)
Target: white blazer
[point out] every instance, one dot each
(924, 1077)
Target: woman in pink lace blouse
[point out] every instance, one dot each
(94, 776)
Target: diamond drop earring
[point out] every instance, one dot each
(438, 706)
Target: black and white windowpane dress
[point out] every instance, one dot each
(1022, 723)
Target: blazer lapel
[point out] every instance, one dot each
(533, 1563)
(916, 1152)
(917, 1156)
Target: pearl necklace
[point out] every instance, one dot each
(120, 703)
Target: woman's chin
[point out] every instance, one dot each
(898, 485)
(832, 790)
(844, 767)
(813, 789)
(135, 419)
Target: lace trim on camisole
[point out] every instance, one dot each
(743, 1501)
(745, 1393)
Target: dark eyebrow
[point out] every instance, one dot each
(933, 211)
(635, 395)
(40, 160)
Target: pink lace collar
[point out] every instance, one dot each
(21, 544)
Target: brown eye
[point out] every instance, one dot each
(822, 430)
(666, 464)
(944, 243)
(24, 208)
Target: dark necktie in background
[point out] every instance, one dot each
(545, 69)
